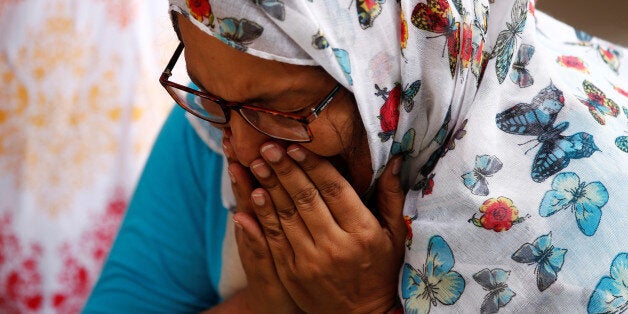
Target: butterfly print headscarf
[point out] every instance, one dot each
(514, 131)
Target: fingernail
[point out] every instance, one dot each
(225, 150)
(396, 166)
(258, 199)
(271, 152)
(296, 153)
(231, 176)
(237, 223)
(260, 169)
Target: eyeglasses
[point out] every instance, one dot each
(276, 124)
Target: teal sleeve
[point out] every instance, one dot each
(166, 257)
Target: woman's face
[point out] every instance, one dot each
(237, 76)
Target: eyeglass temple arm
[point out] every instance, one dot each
(324, 103)
(173, 60)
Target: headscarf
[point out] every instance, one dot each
(510, 122)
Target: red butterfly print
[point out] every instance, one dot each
(466, 46)
(437, 17)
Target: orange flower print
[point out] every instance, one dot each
(498, 214)
(201, 10)
(572, 62)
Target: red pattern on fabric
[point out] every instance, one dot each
(389, 113)
(122, 12)
(99, 238)
(83, 262)
(20, 277)
(76, 282)
(21, 289)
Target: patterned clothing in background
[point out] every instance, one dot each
(80, 106)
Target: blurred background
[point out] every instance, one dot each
(607, 19)
(80, 106)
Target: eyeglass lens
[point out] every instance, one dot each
(270, 124)
(201, 107)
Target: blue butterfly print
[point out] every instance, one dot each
(479, 29)
(274, 8)
(436, 282)
(583, 37)
(238, 33)
(611, 293)
(507, 39)
(585, 200)
(548, 259)
(495, 282)
(440, 136)
(446, 141)
(425, 185)
(457, 135)
(407, 97)
(520, 75)
(537, 119)
(622, 143)
(485, 166)
(406, 146)
(342, 56)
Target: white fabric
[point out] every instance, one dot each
(517, 173)
(80, 106)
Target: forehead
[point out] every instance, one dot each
(237, 76)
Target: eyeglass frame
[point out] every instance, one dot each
(226, 106)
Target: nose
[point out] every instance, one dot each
(245, 140)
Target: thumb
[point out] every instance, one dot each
(390, 199)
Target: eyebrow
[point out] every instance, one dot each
(260, 101)
(249, 100)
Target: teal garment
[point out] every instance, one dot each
(167, 255)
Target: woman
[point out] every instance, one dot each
(503, 123)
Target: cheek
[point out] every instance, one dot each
(335, 133)
(327, 142)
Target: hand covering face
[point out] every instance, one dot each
(514, 129)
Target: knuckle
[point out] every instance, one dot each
(273, 230)
(265, 216)
(258, 253)
(331, 189)
(285, 169)
(286, 213)
(369, 241)
(309, 165)
(394, 190)
(306, 196)
(271, 184)
(338, 257)
(290, 270)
